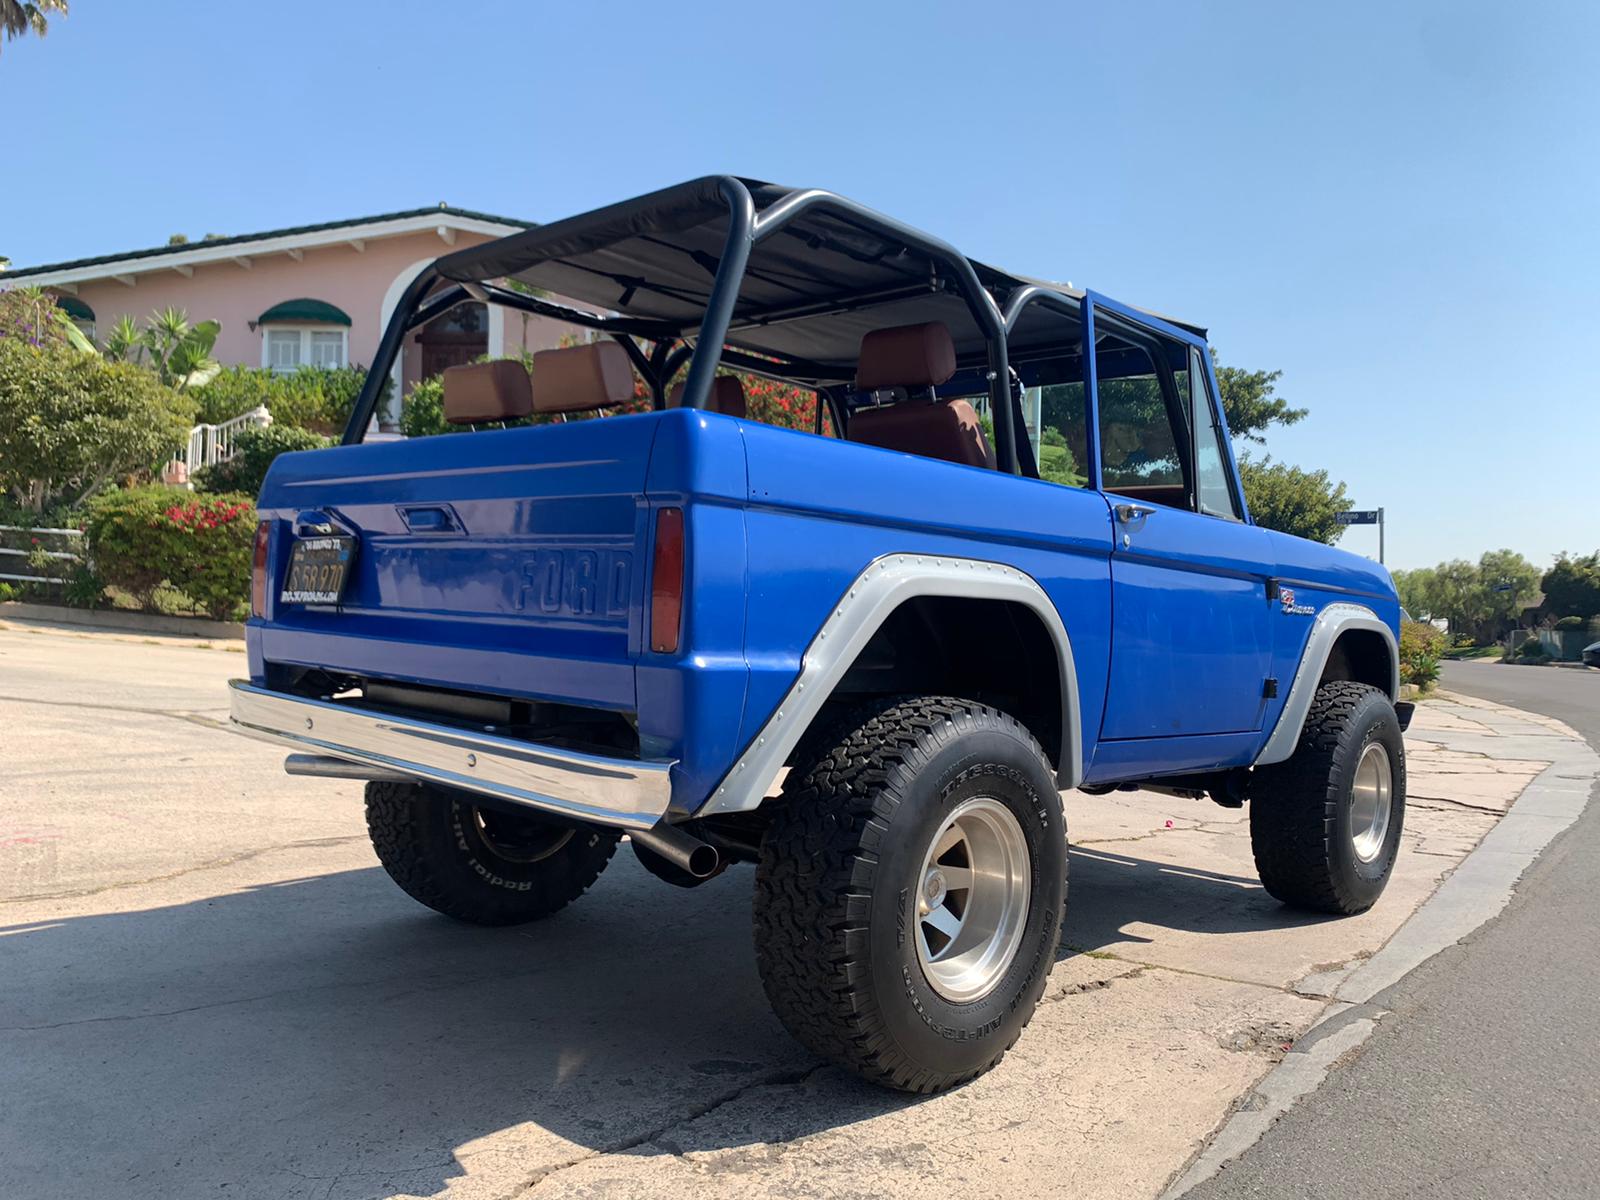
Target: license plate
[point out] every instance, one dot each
(318, 568)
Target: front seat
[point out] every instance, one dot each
(917, 358)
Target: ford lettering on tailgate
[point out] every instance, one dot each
(576, 582)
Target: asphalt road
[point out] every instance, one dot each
(1483, 1080)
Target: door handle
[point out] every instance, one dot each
(1128, 513)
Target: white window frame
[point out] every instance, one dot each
(305, 332)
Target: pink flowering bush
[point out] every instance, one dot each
(200, 545)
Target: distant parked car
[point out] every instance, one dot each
(1591, 654)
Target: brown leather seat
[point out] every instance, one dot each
(727, 397)
(917, 358)
(582, 378)
(478, 393)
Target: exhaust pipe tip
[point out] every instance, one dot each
(703, 861)
(683, 850)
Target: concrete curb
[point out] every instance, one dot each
(122, 622)
(1474, 894)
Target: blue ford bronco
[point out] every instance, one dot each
(1011, 556)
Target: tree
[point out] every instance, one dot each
(178, 239)
(1291, 500)
(1572, 586)
(1481, 599)
(70, 423)
(1416, 591)
(1280, 496)
(1250, 401)
(1510, 583)
(18, 17)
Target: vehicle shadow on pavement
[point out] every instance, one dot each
(281, 1038)
(1108, 892)
(326, 1036)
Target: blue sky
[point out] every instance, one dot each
(1396, 204)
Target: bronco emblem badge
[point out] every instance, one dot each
(1289, 606)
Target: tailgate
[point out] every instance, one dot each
(509, 562)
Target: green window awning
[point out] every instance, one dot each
(304, 312)
(75, 308)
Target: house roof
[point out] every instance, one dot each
(269, 241)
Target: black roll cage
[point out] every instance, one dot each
(671, 344)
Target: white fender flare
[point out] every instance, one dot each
(1331, 622)
(880, 589)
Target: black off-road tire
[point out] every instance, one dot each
(1300, 808)
(480, 865)
(839, 877)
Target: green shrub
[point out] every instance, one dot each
(70, 423)
(1531, 648)
(254, 450)
(201, 545)
(7, 591)
(1420, 647)
(1570, 623)
(84, 588)
(315, 398)
(422, 414)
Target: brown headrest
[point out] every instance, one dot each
(950, 431)
(489, 391)
(906, 356)
(581, 378)
(727, 397)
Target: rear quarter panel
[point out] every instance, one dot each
(820, 510)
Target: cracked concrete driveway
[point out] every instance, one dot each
(208, 987)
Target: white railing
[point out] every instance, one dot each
(12, 553)
(212, 444)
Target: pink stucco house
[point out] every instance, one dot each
(316, 294)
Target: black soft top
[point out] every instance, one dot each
(809, 293)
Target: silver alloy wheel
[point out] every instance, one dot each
(1371, 801)
(972, 900)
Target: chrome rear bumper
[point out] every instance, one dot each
(623, 792)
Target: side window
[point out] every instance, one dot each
(1055, 404)
(1211, 456)
(1144, 423)
(1058, 426)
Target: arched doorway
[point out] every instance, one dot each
(458, 336)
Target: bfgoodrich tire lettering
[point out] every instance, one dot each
(836, 909)
(477, 864)
(1307, 850)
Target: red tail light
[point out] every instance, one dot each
(666, 582)
(258, 571)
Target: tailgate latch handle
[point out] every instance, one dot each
(430, 518)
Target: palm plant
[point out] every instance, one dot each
(18, 17)
(179, 353)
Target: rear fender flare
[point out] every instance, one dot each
(887, 583)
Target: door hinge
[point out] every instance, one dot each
(1269, 688)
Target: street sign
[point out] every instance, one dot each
(1358, 516)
